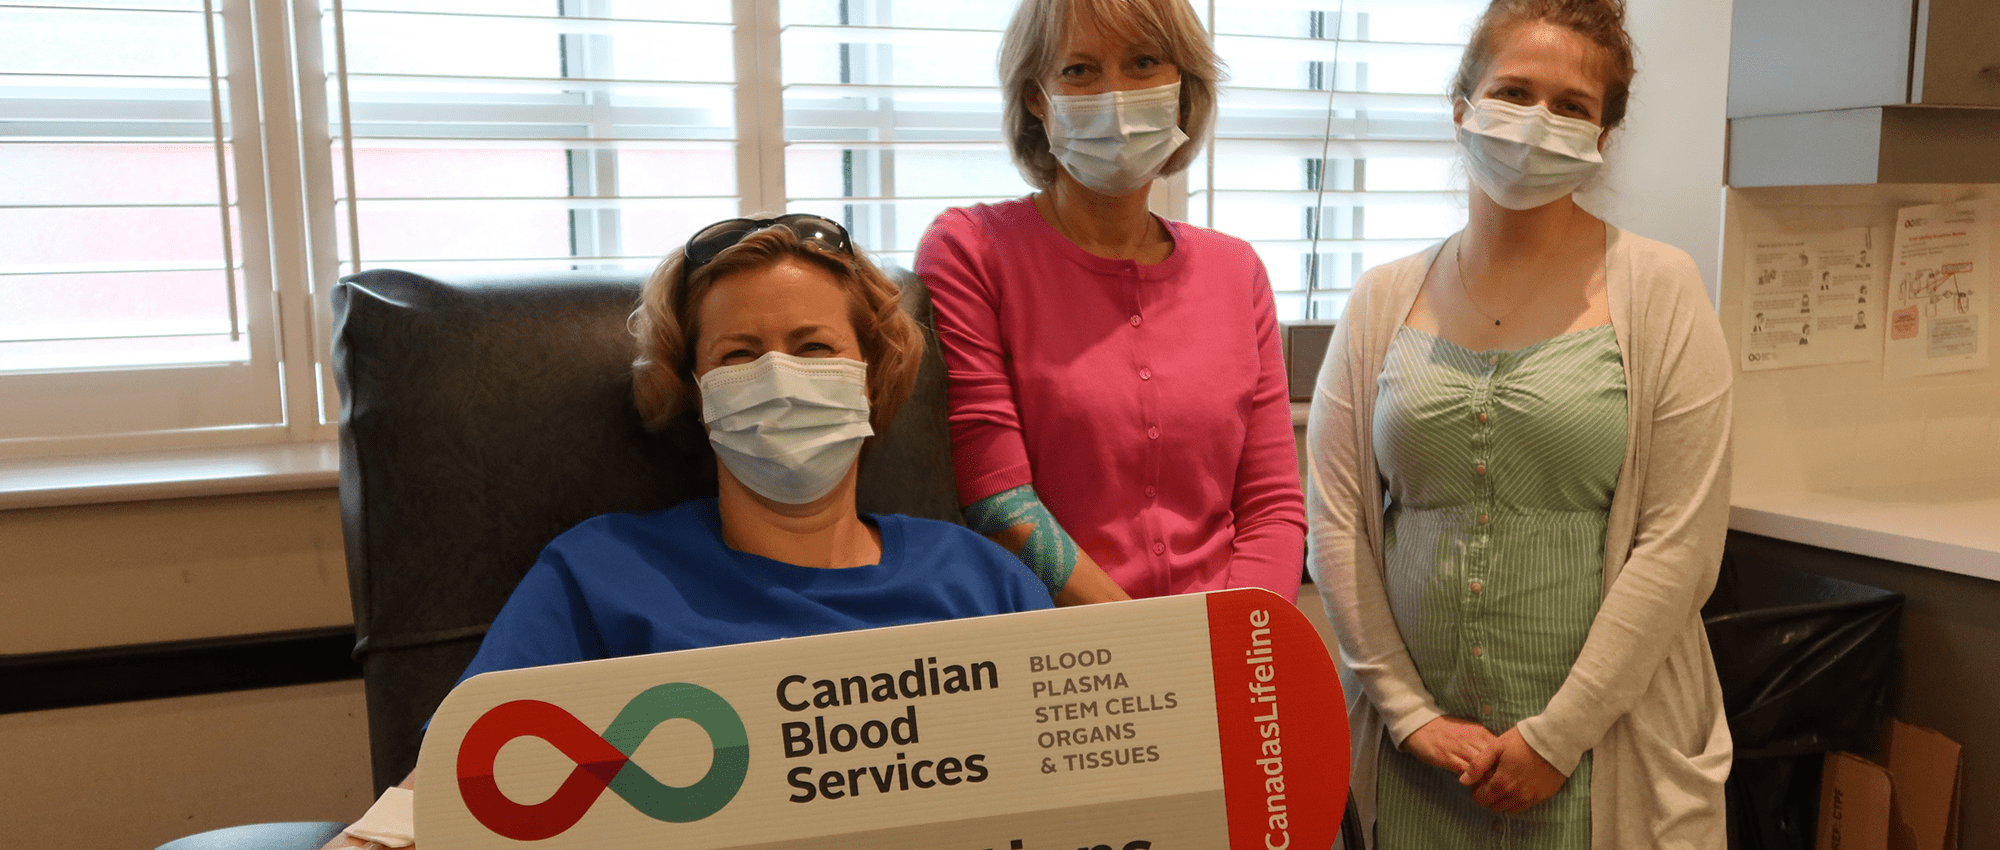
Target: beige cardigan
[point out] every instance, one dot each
(1643, 695)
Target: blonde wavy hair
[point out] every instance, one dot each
(667, 324)
(1032, 49)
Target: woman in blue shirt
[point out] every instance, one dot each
(789, 347)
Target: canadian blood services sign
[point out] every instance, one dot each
(1206, 721)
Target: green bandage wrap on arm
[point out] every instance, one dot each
(1049, 551)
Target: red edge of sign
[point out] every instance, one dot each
(1282, 723)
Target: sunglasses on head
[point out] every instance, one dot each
(709, 242)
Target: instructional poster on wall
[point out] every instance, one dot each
(1813, 298)
(1939, 319)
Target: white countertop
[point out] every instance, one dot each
(1953, 527)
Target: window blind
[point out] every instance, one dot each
(117, 243)
(525, 135)
(1334, 126)
(130, 294)
(184, 180)
(892, 114)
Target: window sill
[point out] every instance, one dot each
(173, 474)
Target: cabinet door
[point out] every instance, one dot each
(1789, 56)
(1960, 62)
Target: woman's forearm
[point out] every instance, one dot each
(1089, 583)
(1017, 520)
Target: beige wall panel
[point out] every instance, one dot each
(139, 572)
(137, 774)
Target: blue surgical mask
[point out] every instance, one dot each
(788, 427)
(1526, 156)
(1116, 142)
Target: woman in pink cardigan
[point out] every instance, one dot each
(1119, 411)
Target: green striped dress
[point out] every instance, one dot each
(1499, 467)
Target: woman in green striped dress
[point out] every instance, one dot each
(1519, 484)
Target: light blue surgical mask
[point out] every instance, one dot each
(1526, 156)
(1115, 142)
(788, 427)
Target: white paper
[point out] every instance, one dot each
(389, 821)
(1813, 298)
(1938, 319)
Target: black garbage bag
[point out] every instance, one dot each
(1805, 663)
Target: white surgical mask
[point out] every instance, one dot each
(787, 427)
(1115, 142)
(1526, 156)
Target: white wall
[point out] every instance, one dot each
(1665, 171)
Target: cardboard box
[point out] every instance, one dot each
(1853, 804)
(1924, 771)
(1906, 798)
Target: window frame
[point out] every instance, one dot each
(204, 404)
(290, 216)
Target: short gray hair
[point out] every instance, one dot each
(1032, 49)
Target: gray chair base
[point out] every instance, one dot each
(304, 835)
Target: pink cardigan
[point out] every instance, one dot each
(1146, 403)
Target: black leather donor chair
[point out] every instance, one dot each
(480, 417)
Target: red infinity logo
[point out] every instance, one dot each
(603, 762)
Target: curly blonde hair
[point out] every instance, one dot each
(1032, 49)
(667, 324)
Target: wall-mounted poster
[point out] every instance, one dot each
(1813, 298)
(1939, 316)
